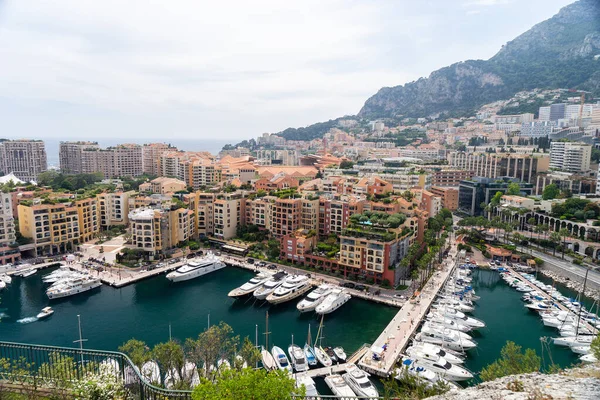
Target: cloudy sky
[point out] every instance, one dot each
(195, 69)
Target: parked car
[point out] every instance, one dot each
(250, 260)
(360, 287)
(272, 266)
(349, 285)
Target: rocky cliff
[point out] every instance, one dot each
(558, 53)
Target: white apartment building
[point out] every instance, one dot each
(570, 156)
(26, 159)
(7, 221)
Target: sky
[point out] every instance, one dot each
(227, 70)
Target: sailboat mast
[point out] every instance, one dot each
(267, 331)
(580, 305)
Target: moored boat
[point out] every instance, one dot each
(338, 386)
(314, 298)
(45, 313)
(250, 286)
(196, 268)
(333, 301)
(358, 380)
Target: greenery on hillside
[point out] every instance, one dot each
(309, 132)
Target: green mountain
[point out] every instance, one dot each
(560, 52)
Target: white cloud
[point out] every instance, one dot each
(237, 68)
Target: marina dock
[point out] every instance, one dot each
(403, 326)
(338, 368)
(24, 267)
(547, 296)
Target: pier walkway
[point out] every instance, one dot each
(25, 267)
(400, 330)
(548, 297)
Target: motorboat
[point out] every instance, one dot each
(269, 286)
(310, 355)
(589, 358)
(197, 268)
(6, 279)
(314, 298)
(61, 273)
(340, 353)
(223, 364)
(432, 358)
(431, 326)
(358, 380)
(331, 354)
(445, 369)
(251, 285)
(2, 285)
(333, 301)
(454, 304)
(281, 359)
(190, 373)
(322, 356)
(28, 273)
(338, 386)
(449, 323)
(581, 349)
(151, 371)
(267, 359)
(80, 285)
(447, 339)
(571, 330)
(461, 317)
(429, 350)
(111, 366)
(171, 378)
(310, 388)
(45, 313)
(540, 305)
(574, 341)
(298, 358)
(421, 373)
(293, 287)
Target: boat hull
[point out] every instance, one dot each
(63, 294)
(295, 293)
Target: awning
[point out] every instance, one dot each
(377, 350)
(233, 248)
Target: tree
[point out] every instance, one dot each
(511, 362)
(273, 249)
(551, 191)
(171, 360)
(555, 239)
(215, 343)
(595, 347)
(249, 354)
(249, 384)
(513, 189)
(137, 351)
(564, 233)
(346, 164)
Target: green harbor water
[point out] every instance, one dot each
(145, 310)
(506, 318)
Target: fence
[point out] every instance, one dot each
(51, 367)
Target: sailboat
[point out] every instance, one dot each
(267, 358)
(309, 353)
(320, 354)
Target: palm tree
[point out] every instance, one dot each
(532, 226)
(554, 238)
(564, 233)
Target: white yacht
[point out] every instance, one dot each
(281, 359)
(588, 358)
(251, 285)
(194, 269)
(574, 341)
(430, 326)
(298, 358)
(314, 298)
(432, 350)
(445, 369)
(6, 279)
(71, 288)
(358, 380)
(45, 313)
(422, 373)
(453, 304)
(309, 387)
(445, 339)
(449, 323)
(294, 286)
(333, 301)
(339, 387)
(28, 273)
(2, 285)
(461, 317)
(269, 286)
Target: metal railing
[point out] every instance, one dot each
(53, 368)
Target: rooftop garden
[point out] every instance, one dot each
(575, 209)
(378, 219)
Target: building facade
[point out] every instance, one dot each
(475, 194)
(570, 156)
(26, 159)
